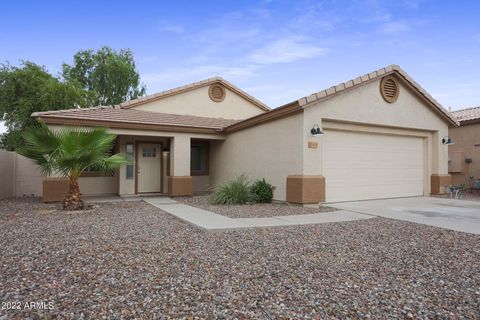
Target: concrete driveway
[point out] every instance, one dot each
(459, 215)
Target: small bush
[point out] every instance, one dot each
(236, 191)
(262, 191)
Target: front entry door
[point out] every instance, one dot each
(149, 167)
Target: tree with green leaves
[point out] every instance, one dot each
(27, 89)
(108, 77)
(70, 151)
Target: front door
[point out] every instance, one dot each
(149, 167)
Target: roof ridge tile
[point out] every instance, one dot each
(465, 109)
(38, 113)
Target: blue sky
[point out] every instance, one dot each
(277, 51)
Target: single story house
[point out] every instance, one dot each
(376, 136)
(464, 153)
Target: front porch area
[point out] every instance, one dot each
(169, 164)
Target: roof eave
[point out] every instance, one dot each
(469, 121)
(129, 125)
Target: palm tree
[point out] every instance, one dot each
(70, 151)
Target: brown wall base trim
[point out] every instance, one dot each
(180, 186)
(54, 189)
(305, 189)
(438, 183)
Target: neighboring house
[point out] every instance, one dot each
(381, 139)
(464, 153)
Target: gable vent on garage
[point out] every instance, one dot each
(389, 88)
(216, 92)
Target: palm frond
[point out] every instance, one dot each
(71, 150)
(112, 163)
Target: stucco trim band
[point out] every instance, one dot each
(54, 189)
(439, 181)
(305, 189)
(180, 186)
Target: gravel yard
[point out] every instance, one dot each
(131, 260)
(258, 210)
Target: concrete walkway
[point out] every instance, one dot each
(211, 221)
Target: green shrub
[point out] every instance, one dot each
(236, 191)
(262, 191)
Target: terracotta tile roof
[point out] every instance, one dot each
(467, 114)
(327, 93)
(191, 86)
(123, 114)
(116, 114)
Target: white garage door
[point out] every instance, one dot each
(360, 166)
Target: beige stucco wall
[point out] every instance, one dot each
(7, 174)
(93, 186)
(28, 177)
(364, 106)
(19, 176)
(180, 155)
(90, 186)
(465, 138)
(272, 150)
(198, 103)
(201, 184)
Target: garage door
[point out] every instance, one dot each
(361, 166)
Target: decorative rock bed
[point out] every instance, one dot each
(257, 210)
(131, 260)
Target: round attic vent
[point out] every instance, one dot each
(216, 92)
(389, 88)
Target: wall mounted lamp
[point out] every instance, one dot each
(315, 131)
(447, 140)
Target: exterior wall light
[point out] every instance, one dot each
(316, 130)
(447, 140)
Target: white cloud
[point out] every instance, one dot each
(196, 73)
(371, 11)
(223, 35)
(285, 50)
(264, 88)
(147, 59)
(457, 92)
(412, 4)
(174, 29)
(171, 27)
(394, 27)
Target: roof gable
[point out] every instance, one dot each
(375, 75)
(164, 94)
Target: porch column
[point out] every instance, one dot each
(180, 181)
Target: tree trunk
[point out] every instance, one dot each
(73, 200)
